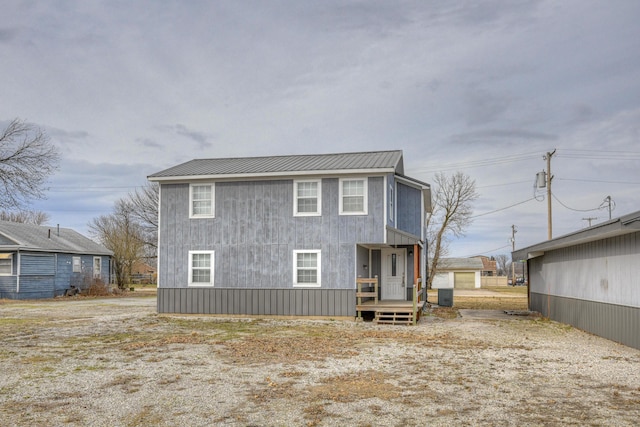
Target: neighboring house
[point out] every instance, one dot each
(143, 273)
(458, 273)
(590, 279)
(489, 267)
(288, 235)
(45, 262)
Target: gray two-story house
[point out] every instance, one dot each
(288, 235)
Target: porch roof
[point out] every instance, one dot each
(398, 237)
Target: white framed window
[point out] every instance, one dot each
(6, 264)
(307, 200)
(76, 264)
(306, 268)
(97, 267)
(201, 200)
(353, 196)
(201, 268)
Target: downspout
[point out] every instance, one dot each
(18, 273)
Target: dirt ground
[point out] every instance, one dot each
(115, 362)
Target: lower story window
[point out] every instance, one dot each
(201, 268)
(6, 264)
(306, 268)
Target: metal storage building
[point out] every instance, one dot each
(590, 279)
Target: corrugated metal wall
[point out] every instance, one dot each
(615, 322)
(258, 302)
(593, 286)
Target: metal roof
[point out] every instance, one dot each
(448, 264)
(18, 236)
(627, 224)
(389, 161)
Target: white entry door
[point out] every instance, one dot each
(393, 274)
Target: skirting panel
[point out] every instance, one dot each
(257, 302)
(614, 322)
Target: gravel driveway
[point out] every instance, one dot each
(115, 362)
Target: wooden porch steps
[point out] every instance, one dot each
(396, 317)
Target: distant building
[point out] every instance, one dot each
(489, 267)
(45, 262)
(458, 273)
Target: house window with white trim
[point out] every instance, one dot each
(201, 268)
(307, 198)
(353, 196)
(76, 262)
(201, 200)
(306, 268)
(6, 264)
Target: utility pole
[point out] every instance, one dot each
(589, 219)
(513, 249)
(549, 178)
(608, 200)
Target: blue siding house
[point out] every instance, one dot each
(45, 262)
(289, 235)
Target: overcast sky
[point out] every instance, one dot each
(126, 89)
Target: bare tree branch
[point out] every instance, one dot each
(27, 158)
(26, 217)
(122, 235)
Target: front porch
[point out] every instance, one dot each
(393, 312)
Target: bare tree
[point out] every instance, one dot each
(121, 234)
(452, 209)
(25, 217)
(502, 261)
(27, 158)
(144, 210)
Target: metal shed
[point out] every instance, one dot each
(590, 279)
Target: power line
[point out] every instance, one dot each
(486, 252)
(476, 163)
(502, 209)
(572, 209)
(598, 180)
(502, 185)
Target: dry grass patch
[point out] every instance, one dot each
(353, 387)
(267, 350)
(490, 303)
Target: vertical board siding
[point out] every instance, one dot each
(614, 322)
(257, 302)
(254, 234)
(409, 208)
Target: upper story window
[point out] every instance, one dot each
(201, 268)
(353, 196)
(307, 200)
(201, 200)
(306, 268)
(6, 264)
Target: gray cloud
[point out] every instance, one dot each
(8, 34)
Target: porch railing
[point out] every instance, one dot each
(371, 285)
